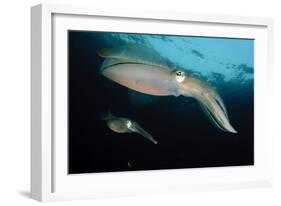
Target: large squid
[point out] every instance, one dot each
(142, 69)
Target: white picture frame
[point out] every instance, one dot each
(49, 179)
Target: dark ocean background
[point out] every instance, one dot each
(186, 138)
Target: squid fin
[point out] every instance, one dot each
(107, 115)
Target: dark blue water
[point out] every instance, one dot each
(186, 138)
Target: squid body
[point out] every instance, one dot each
(142, 69)
(126, 125)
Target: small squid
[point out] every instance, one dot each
(126, 125)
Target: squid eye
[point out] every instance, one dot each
(180, 76)
(179, 73)
(128, 124)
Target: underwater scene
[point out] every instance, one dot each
(150, 102)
